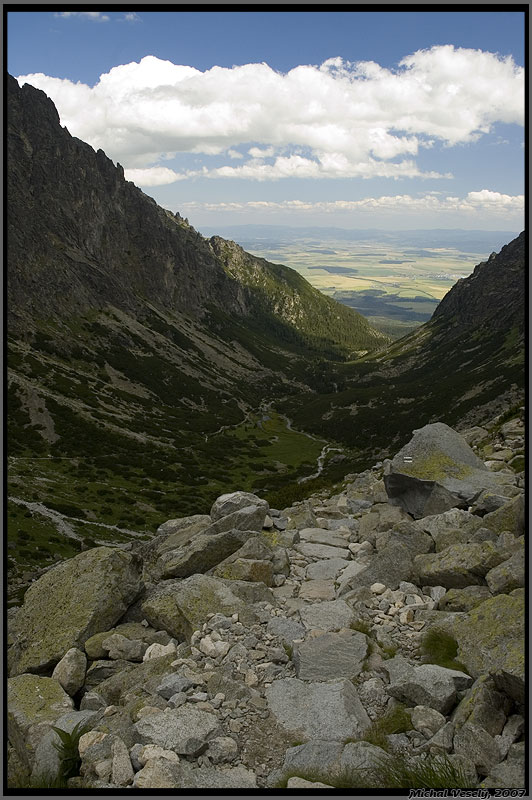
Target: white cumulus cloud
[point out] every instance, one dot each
(340, 119)
(152, 176)
(93, 16)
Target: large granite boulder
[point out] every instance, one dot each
(73, 601)
(332, 655)
(235, 501)
(457, 566)
(202, 553)
(491, 642)
(181, 607)
(330, 711)
(436, 471)
(184, 730)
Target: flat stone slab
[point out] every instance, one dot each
(332, 655)
(330, 711)
(324, 536)
(328, 616)
(330, 568)
(317, 590)
(320, 551)
(184, 730)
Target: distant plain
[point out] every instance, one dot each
(395, 279)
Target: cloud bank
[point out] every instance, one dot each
(484, 202)
(337, 120)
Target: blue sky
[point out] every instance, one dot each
(356, 119)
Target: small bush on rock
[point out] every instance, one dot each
(439, 647)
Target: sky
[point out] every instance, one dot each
(353, 119)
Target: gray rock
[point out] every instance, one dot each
(286, 629)
(457, 566)
(508, 575)
(490, 642)
(222, 749)
(120, 647)
(442, 741)
(103, 669)
(507, 775)
(121, 771)
(159, 773)
(427, 719)
(464, 599)
(430, 685)
(362, 756)
(511, 732)
(509, 517)
(33, 699)
(332, 655)
(329, 568)
(185, 730)
(317, 590)
(301, 783)
(235, 501)
(182, 606)
(321, 536)
(321, 551)
(476, 744)
(306, 758)
(389, 566)
(483, 706)
(70, 671)
(408, 534)
(246, 569)
(250, 518)
(330, 711)
(328, 616)
(440, 472)
(92, 701)
(71, 602)
(201, 554)
(172, 684)
(211, 778)
(46, 760)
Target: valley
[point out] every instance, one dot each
(395, 279)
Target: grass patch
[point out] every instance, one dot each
(397, 720)
(439, 647)
(391, 772)
(362, 626)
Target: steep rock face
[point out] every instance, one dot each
(494, 292)
(82, 237)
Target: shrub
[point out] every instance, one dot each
(397, 720)
(68, 749)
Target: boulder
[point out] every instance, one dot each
(286, 629)
(483, 706)
(491, 642)
(429, 685)
(33, 700)
(250, 518)
(317, 590)
(328, 616)
(427, 720)
(201, 554)
(212, 778)
(46, 759)
(301, 783)
(321, 551)
(464, 599)
(304, 759)
(457, 566)
(120, 647)
(330, 711)
(246, 569)
(390, 566)
(476, 744)
(323, 570)
(185, 730)
(509, 517)
(508, 575)
(234, 501)
(322, 536)
(158, 773)
(331, 655)
(182, 606)
(131, 630)
(73, 601)
(408, 534)
(436, 471)
(70, 671)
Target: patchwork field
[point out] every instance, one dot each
(395, 279)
